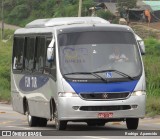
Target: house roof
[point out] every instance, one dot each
(155, 5)
(110, 6)
(151, 5)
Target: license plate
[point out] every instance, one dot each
(105, 115)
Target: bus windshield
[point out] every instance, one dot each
(109, 54)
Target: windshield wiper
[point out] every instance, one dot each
(116, 71)
(92, 73)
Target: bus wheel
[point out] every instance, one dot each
(60, 125)
(101, 124)
(96, 124)
(42, 122)
(32, 121)
(132, 123)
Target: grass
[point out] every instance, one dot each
(151, 63)
(152, 70)
(152, 106)
(5, 64)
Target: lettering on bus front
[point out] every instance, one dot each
(31, 82)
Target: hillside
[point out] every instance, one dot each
(20, 12)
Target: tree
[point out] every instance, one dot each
(20, 12)
(86, 4)
(127, 3)
(124, 5)
(105, 15)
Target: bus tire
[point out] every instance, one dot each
(42, 122)
(132, 123)
(96, 124)
(59, 124)
(101, 124)
(32, 120)
(91, 124)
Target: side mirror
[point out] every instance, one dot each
(142, 46)
(50, 51)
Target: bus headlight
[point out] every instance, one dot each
(67, 94)
(138, 93)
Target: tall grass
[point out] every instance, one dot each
(153, 106)
(152, 70)
(5, 64)
(152, 66)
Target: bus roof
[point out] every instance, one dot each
(42, 23)
(71, 23)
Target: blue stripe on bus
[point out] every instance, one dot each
(104, 87)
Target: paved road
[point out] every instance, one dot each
(10, 120)
(8, 26)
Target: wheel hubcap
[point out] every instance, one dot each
(29, 117)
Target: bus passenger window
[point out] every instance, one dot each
(18, 48)
(40, 53)
(29, 57)
(48, 41)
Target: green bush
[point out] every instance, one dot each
(20, 12)
(105, 14)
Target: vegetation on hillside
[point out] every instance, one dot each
(152, 68)
(123, 5)
(20, 12)
(5, 64)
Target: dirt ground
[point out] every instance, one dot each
(155, 25)
(145, 31)
(8, 26)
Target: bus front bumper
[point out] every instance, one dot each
(69, 108)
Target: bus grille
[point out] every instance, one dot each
(105, 96)
(105, 108)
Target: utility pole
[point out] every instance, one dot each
(80, 8)
(2, 18)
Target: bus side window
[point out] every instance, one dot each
(50, 67)
(53, 65)
(29, 53)
(48, 41)
(39, 54)
(18, 48)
